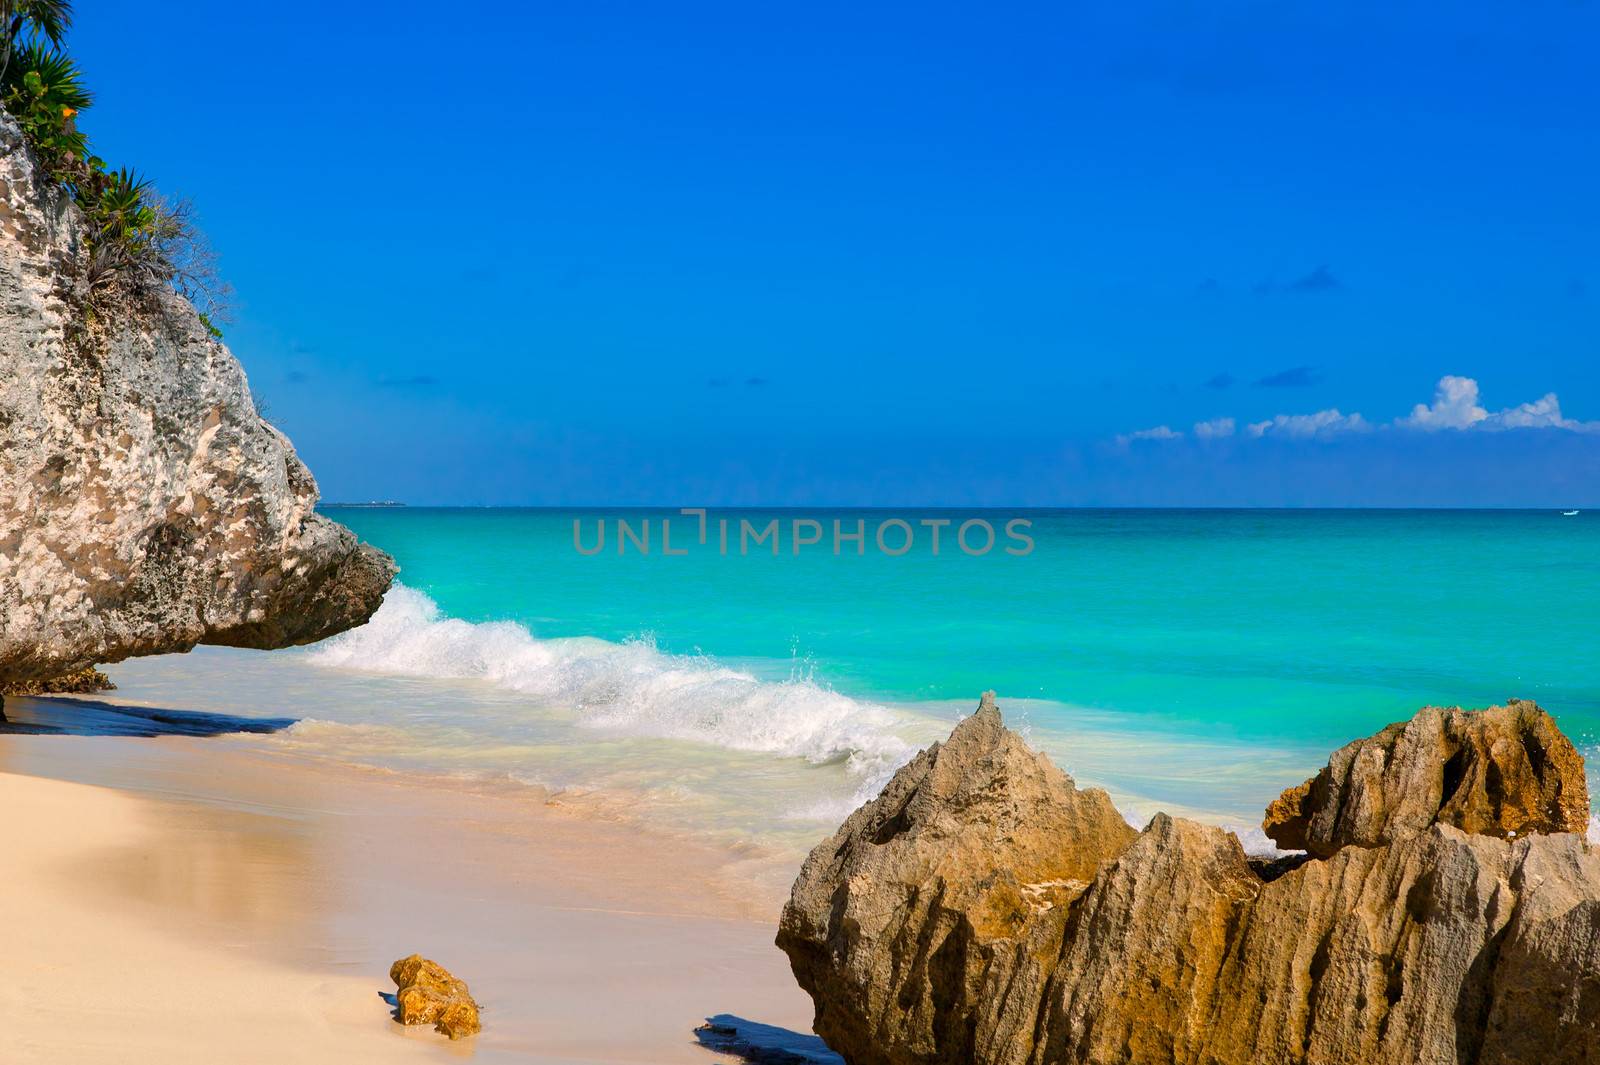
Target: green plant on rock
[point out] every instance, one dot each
(44, 91)
(134, 235)
(123, 226)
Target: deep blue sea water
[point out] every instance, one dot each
(1188, 660)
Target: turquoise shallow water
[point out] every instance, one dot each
(1317, 625)
(1196, 661)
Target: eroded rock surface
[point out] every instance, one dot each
(145, 506)
(426, 993)
(78, 682)
(982, 910)
(925, 929)
(1506, 771)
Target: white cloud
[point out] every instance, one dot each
(1322, 424)
(1215, 429)
(1160, 432)
(1542, 413)
(1455, 406)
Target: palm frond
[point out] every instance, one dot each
(59, 79)
(49, 18)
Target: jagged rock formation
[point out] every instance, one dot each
(426, 993)
(935, 908)
(145, 506)
(1505, 771)
(983, 910)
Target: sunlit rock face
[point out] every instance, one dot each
(1506, 771)
(984, 910)
(145, 506)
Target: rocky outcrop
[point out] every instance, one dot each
(1506, 771)
(1004, 919)
(145, 506)
(426, 993)
(78, 682)
(924, 928)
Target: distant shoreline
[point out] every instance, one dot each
(941, 508)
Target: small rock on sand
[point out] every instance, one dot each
(428, 994)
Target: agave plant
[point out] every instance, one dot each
(124, 226)
(118, 204)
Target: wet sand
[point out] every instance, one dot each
(196, 900)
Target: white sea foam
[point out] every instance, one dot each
(1255, 842)
(630, 688)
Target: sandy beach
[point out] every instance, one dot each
(194, 900)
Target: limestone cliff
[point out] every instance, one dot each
(145, 506)
(983, 910)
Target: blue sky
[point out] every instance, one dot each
(885, 253)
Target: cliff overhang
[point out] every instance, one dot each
(145, 505)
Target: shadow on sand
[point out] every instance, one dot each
(763, 1044)
(40, 715)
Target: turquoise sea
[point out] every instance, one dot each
(1196, 661)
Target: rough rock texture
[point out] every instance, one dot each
(1505, 771)
(428, 994)
(78, 682)
(1147, 941)
(145, 506)
(941, 903)
(921, 942)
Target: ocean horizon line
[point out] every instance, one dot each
(586, 508)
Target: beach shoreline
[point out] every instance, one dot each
(198, 899)
(768, 806)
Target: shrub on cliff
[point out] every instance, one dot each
(44, 90)
(142, 237)
(136, 237)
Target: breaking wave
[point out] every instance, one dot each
(631, 687)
